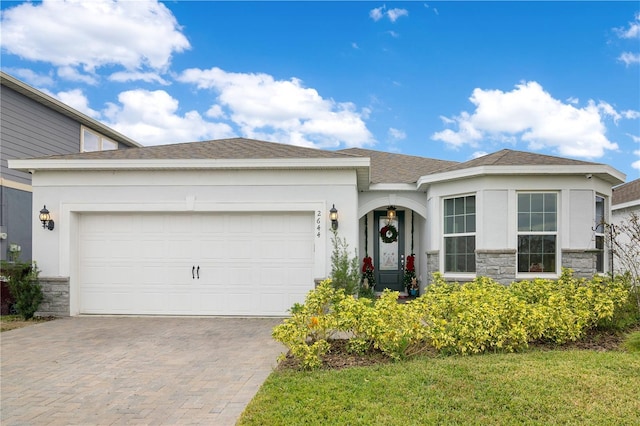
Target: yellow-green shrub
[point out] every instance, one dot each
(475, 317)
(311, 325)
(562, 310)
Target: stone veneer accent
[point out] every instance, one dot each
(499, 265)
(433, 264)
(56, 297)
(583, 262)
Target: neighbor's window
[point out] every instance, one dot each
(93, 141)
(460, 234)
(599, 234)
(537, 232)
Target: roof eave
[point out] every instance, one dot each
(50, 102)
(360, 164)
(602, 171)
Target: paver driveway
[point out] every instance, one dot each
(134, 370)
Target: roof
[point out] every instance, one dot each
(626, 193)
(508, 157)
(227, 149)
(54, 104)
(387, 167)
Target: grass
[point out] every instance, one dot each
(536, 387)
(12, 322)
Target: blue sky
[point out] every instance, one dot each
(447, 80)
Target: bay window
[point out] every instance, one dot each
(460, 234)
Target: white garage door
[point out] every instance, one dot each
(194, 264)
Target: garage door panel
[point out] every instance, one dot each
(250, 263)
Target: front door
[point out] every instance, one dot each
(389, 251)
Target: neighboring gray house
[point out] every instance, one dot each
(33, 124)
(625, 200)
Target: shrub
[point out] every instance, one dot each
(562, 310)
(311, 325)
(25, 288)
(473, 317)
(344, 269)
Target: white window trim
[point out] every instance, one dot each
(558, 271)
(101, 139)
(443, 251)
(605, 218)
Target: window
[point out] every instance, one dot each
(92, 141)
(599, 233)
(459, 234)
(537, 232)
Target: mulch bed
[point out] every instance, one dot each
(339, 357)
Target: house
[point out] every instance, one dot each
(243, 227)
(34, 124)
(625, 202)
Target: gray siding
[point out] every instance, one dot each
(29, 129)
(16, 216)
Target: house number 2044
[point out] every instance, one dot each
(318, 223)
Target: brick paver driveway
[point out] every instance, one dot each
(134, 370)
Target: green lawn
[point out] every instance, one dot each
(536, 387)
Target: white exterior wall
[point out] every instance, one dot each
(496, 209)
(67, 194)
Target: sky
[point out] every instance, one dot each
(446, 80)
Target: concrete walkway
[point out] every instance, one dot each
(134, 370)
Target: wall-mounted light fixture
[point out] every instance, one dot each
(333, 215)
(45, 218)
(391, 212)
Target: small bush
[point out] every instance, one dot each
(344, 269)
(25, 289)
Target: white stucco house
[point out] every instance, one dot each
(243, 227)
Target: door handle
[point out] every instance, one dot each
(198, 271)
(193, 273)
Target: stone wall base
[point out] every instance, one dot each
(583, 262)
(499, 265)
(56, 297)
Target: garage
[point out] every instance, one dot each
(217, 263)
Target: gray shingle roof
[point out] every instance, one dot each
(398, 168)
(626, 192)
(229, 149)
(508, 157)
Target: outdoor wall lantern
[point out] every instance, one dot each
(45, 218)
(333, 215)
(391, 212)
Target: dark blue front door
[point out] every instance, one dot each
(389, 251)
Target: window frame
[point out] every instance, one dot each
(555, 233)
(456, 235)
(101, 140)
(599, 233)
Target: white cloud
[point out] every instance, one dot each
(573, 100)
(283, 110)
(634, 137)
(148, 77)
(76, 99)
(397, 134)
(31, 77)
(633, 31)
(215, 112)
(377, 13)
(151, 118)
(91, 34)
(530, 114)
(631, 114)
(72, 74)
(393, 34)
(636, 164)
(392, 14)
(355, 45)
(629, 58)
(479, 154)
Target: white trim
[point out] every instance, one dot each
(383, 201)
(628, 204)
(392, 187)
(15, 185)
(603, 171)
